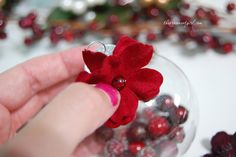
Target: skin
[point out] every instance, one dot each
(73, 110)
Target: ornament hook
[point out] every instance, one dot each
(100, 43)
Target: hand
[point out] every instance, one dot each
(77, 110)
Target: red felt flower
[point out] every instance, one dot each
(125, 71)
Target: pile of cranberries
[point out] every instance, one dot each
(29, 23)
(223, 145)
(155, 132)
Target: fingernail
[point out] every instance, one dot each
(111, 92)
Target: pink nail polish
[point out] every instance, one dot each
(112, 92)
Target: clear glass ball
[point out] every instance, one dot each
(164, 126)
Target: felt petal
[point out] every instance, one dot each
(110, 69)
(93, 60)
(136, 56)
(122, 44)
(112, 124)
(83, 76)
(127, 109)
(145, 83)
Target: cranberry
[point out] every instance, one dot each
(158, 126)
(206, 39)
(200, 13)
(213, 17)
(182, 114)
(28, 41)
(186, 5)
(104, 133)
(2, 24)
(230, 7)
(165, 102)
(227, 47)
(113, 20)
(221, 145)
(32, 16)
(3, 35)
(185, 18)
(215, 43)
(177, 134)
(114, 148)
(119, 82)
(153, 12)
(68, 36)
(25, 23)
(135, 147)
(54, 37)
(37, 30)
(151, 36)
(137, 132)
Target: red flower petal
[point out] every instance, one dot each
(110, 69)
(145, 83)
(112, 124)
(83, 76)
(136, 56)
(127, 109)
(122, 44)
(93, 60)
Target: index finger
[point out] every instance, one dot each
(20, 83)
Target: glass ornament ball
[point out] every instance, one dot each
(164, 126)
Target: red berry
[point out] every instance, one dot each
(3, 35)
(28, 41)
(93, 26)
(135, 147)
(182, 114)
(158, 126)
(151, 36)
(152, 12)
(177, 134)
(165, 102)
(2, 24)
(137, 132)
(68, 36)
(221, 145)
(185, 18)
(54, 37)
(114, 147)
(25, 23)
(119, 82)
(37, 30)
(32, 16)
(186, 5)
(200, 13)
(230, 7)
(213, 17)
(227, 47)
(113, 20)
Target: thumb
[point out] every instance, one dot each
(73, 115)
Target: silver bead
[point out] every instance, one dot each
(79, 7)
(66, 4)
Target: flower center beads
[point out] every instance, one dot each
(119, 82)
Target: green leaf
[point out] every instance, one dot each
(59, 14)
